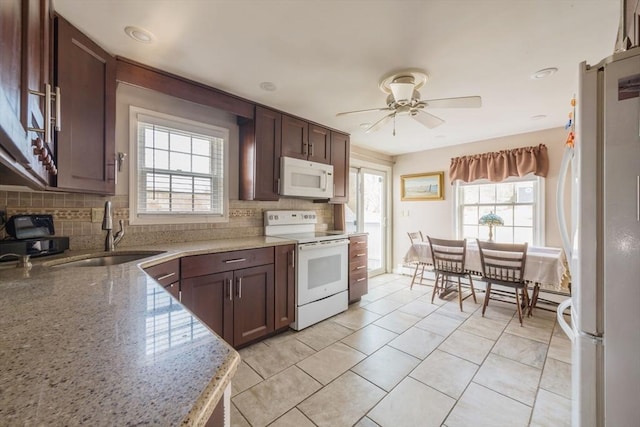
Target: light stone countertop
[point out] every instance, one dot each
(108, 345)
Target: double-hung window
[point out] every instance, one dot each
(519, 202)
(180, 170)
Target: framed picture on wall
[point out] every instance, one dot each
(422, 186)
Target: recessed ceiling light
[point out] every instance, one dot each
(365, 125)
(544, 73)
(139, 34)
(268, 86)
(539, 117)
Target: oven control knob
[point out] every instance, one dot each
(270, 216)
(306, 216)
(276, 217)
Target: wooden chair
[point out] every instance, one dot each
(448, 261)
(416, 236)
(503, 264)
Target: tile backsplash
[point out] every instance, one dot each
(72, 217)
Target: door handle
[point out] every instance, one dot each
(293, 258)
(311, 150)
(166, 276)
(239, 287)
(229, 287)
(304, 148)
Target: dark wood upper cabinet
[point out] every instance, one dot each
(319, 144)
(340, 161)
(285, 286)
(260, 155)
(295, 138)
(85, 145)
(24, 66)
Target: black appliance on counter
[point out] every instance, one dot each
(32, 235)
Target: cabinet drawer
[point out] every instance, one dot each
(357, 264)
(357, 253)
(358, 285)
(165, 273)
(199, 265)
(358, 276)
(358, 241)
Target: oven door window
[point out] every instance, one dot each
(322, 272)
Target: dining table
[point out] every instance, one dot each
(545, 267)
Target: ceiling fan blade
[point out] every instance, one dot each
(462, 102)
(370, 110)
(428, 120)
(377, 125)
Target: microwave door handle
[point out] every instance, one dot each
(324, 181)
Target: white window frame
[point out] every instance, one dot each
(539, 207)
(170, 121)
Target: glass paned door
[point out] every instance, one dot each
(366, 212)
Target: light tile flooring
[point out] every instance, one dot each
(395, 359)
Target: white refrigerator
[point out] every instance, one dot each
(602, 242)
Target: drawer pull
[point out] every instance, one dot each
(362, 254)
(361, 279)
(362, 242)
(231, 261)
(361, 267)
(166, 276)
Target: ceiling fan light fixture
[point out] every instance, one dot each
(402, 92)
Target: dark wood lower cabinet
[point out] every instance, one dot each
(208, 298)
(285, 286)
(237, 305)
(252, 304)
(358, 275)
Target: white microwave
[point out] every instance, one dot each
(302, 178)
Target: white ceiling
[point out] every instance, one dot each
(327, 56)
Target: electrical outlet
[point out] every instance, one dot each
(96, 214)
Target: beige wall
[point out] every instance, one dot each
(436, 217)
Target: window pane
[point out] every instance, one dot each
(470, 215)
(470, 232)
(161, 159)
(505, 193)
(522, 235)
(180, 162)
(503, 234)
(181, 202)
(506, 213)
(158, 201)
(201, 146)
(523, 216)
(470, 194)
(158, 182)
(161, 139)
(181, 143)
(201, 164)
(487, 193)
(483, 210)
(525, 192)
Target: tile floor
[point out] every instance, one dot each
(395, 359)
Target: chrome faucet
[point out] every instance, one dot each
(111, 241)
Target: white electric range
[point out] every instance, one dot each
(321, 273)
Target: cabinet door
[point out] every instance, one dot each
(295, 138)
(260, 141)
(253, 304)
(210, 299)
(340, 161)
(10, 72)
(85, 145)
(285, 286)
(319, 144)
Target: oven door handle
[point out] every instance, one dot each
(323, 245)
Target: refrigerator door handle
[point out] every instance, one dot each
(562, 219)
(568, 330)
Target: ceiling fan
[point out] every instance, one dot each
(404, 100)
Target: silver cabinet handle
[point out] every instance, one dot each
(361, 242)
(362, 254)
(166, 276)
(304, 148)
(361, 279)
(230, 288)
(293, 258)
(239, 287)
(230, 261)
(58, 111)
(361, 267)
(311, 150)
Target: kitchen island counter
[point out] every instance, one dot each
(108, 345)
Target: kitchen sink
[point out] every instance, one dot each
(104, 259)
